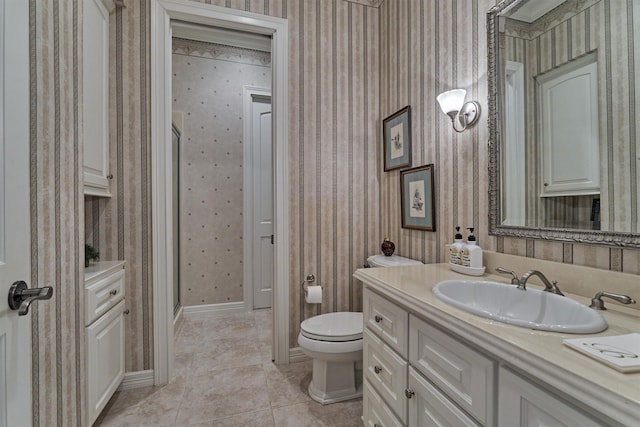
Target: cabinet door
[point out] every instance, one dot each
(428, 407)
(523, 404)
(105, 359)
(464, 374)
(95, 63)
(570, 130)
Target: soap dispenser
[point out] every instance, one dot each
(455, 250)
(471, 252)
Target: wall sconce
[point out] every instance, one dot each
(453, 105)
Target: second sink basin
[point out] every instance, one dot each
(532, 308)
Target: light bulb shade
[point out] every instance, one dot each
(451, 100)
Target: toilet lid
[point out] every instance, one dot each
(391, 261)
(340, 326)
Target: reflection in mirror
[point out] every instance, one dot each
(565, 145)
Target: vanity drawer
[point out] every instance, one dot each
(375, 410)
(459, 371)
(104, 294)
(387, 373)
(387, 320)
(429, 407)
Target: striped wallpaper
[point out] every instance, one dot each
(58, 378)
(557, 38)
(351, 64)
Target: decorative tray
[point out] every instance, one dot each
(471, 271)
(620, 352)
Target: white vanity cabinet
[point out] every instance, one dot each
(415, 375)
(418, 374)
(95, 95)
(105, 306)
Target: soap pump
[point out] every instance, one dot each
(455, 250)
(471, 252)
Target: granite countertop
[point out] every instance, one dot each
(537, 353)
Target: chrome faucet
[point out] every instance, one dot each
(522, 283)
(514, 277)
(548, 286)
(598, 304)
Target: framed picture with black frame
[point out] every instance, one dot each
(396, 130)
(417, 198)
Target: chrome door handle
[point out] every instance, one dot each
(21, 296)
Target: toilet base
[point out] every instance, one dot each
(333, 382)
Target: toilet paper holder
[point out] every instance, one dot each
(310, 279)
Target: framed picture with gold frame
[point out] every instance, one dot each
(417, 198)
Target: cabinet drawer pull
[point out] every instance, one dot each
(377, 369)
(409, 393)
(126, 311)
(378, 318)
(113, 292)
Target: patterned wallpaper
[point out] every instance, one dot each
(602, 27)
(349, 66)
(57, 229)
(207, 89)
(432, 47)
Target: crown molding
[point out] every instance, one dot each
(370, 3)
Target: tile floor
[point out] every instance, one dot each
(224, 377)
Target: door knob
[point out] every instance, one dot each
(21, 297)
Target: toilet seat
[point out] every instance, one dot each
(333, 327)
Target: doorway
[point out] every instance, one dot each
(162, 13)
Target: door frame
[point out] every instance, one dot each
(162, 12)
(249, 93)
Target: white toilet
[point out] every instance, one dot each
(334, 342)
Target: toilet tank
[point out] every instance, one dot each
(390, 261)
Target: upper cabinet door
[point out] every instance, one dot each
(570, 131)
(95, 62)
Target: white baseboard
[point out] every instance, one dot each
(297, 355)
(137, 379)
(227, 308)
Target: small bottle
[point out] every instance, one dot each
(455, 250)
(471, 252)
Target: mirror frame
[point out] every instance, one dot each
(608, 238)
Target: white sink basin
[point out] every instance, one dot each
(532, 308)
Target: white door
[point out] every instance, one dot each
(15, 331)
(262, 202)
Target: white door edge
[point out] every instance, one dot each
(162, 11)
(248, 94)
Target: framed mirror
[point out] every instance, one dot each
(564, 133)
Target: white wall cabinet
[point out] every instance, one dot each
(95, 95)
(105, 307)
(570, 130)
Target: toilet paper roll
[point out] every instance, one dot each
(313, 294)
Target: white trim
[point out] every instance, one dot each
(137, 379)
(297, 355)
(162, 11)
(248, 94)
(222, 37)
(226, 307)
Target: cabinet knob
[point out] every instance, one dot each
(377, 425)
(377, 369)
(113, 292)
(409, 393)
(378, 318)
(110, 176)
(126, 311)
(546, 184)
